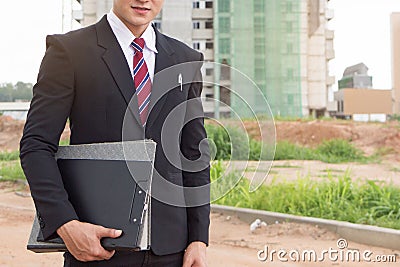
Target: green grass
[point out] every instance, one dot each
(332, 151)
(10, 167)
(395, 117)
(7, 156)
(395, 169)
(289, 151)
(302, 119)
(11, 171)
(286, 166)
(336, 198)
(333, 170)
(255, 169)
(237, 142)
(64, 142)
(330, 175)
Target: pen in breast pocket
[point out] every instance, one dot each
(180, 81)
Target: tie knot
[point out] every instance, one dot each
(138, 44)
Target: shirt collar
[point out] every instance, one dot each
(125, 36)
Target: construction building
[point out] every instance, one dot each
(395, 29)
(284, 46)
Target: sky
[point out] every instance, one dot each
(362, 34)
(24, 25)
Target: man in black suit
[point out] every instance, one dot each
(89, 77)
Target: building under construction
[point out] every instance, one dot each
(284, 46)
(395, 36)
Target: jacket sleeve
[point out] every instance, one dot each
(53, 96)
(193, 148)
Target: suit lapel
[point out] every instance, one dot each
(164, 59)
(115, 60)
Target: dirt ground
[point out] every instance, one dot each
(387, 172)
(11, 133)
(231, 242)
(369, 137)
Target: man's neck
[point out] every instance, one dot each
(137, 30)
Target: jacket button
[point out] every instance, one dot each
(42, 224)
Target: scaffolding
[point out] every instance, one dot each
(72, 15)
(261, 38)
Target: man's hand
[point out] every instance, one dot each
(83, 240)
(195, 255)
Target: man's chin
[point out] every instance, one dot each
(139, 22)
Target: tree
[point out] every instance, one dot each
(19, 92)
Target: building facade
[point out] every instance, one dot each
(284, 46)
(356, 96)
(395, 28)
(316, 51)
(363, 101)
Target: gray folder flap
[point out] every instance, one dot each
(140, 150)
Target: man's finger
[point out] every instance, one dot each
(107, 232)
(99, 253)
(187, 262)
(106, 255)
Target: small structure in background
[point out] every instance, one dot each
(357, 100)
(356, 76)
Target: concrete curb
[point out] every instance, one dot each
(364, 234)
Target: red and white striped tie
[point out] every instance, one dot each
(142, 79)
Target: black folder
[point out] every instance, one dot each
(109, 185)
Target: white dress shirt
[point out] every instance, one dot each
(125, 38)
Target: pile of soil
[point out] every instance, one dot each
(369, 137)
(11, 133)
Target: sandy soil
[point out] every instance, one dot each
(289, 170)
(232, 243)
(369, 137)
(11, 133)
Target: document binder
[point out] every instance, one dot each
(108, 184)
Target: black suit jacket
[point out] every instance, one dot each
(84, 77)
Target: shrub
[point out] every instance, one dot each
(339, 150)
(7, 156)
(334, 198)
